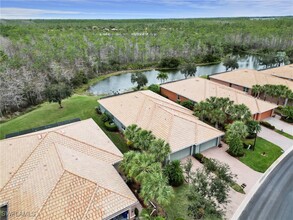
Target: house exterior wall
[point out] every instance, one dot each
(173, 96)
(237, 87)
(264, 115)
(170, 95)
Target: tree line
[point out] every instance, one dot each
(35, 54)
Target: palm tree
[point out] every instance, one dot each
(256, 90)
(266, 90)
(253, 127)
(155, 188)
(127, 163)
(240, 112)
(143, 139)
(288, 94)
(237, 129)
(162, 76)
(143, 164)
(202, 110)
(218, 117)
(131, 132)
(160, 149)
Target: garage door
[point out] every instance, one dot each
(180, 154)
(207, 145)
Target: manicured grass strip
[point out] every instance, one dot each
(256, 159)
(77, 106)
(178, 206)
(284, 134)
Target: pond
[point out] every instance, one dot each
(122, 83)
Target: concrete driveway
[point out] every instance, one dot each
(276, 138)
(279, 124)
(244, 173)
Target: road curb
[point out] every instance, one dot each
(258, 184)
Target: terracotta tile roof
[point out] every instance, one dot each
(248, 78)
(57, 176)
(166, 119)
(198, 89)
(285, 72)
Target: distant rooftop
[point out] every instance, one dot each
(65, 172)
(285, 72)
(198, 89)
(249, 77)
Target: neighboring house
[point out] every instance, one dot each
(285, 72)
(65, 172)
(167, 120)
(198, 89)
(244, 79)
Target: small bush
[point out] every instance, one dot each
(104, 117)
(188, 104)
(98, 110)
(289, 120)
(237, 188)
(174, 173)
(155, 88)
(110, 126)
(199, 157)
(267, 125)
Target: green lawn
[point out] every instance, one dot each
(77, 106)
(256, 160)
(178, 206)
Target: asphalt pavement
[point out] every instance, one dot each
(274, 198)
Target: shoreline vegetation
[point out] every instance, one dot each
(83, 89)
(36, 54)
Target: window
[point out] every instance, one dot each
(3, 212)
(230, 84)
(178, 97)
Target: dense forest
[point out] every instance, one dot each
(35, 54)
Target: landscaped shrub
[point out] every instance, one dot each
(104, 117)
(188, 104)
(174, 173)
(155, 88)
(199, 157)
(287, 114)
(267, 125)
(98, 110)
(237, 188)
(210, 164)
(110, 126)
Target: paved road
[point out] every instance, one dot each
(274, 199)
(276, 138)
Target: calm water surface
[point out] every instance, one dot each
(122, 83)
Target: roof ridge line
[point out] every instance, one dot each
(89, 204)
(198, 123)
(140, 109)
(50, 194)
(85, 143)
(25, 161)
